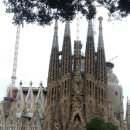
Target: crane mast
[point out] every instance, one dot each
(77, 21)
(77, 42)
(13, 77)
(113, 58)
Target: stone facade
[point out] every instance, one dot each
(76, 89)
(77, 85)
(128, 115)
(115, 97)
(24, 111)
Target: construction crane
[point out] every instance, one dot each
(113, 58)
(76, 2)
(11, 91)
(13, 77)
(77, 22)
(77, 42)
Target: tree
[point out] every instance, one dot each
(111, 126)
(96, 124)
(44, 11)
(99, 124)
(117, 8)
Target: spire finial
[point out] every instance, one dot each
(55, 37)
(90, 28)
(100, 18)
(31, 83)
(56, 23)
(100, 39)
(20, 83)
(41, 83)
(100, 22)
(67, 29)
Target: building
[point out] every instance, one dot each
(26, 110)
(77, 85)
(76, 89)
(1, 108)
(115, 97)
(128, 114)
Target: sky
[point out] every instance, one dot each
(35, 47)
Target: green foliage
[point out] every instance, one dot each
(111, 126)
(99, 124)
(96, 124)
(117, 8)
(44, 11)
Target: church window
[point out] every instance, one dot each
(102, 92)
(84, 107)
(99, 94)
(90, 88)
(95, 92)
(52, 93)
(68, 83)
(77, 119)
(62, 88)
(65, 89)
(116, 93)
(59, 91)
(66, 68)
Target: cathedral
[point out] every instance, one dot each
(77, 84)
(77, 88)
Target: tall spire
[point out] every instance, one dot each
(90, 51)
(100, 38)
(55, 37)
(53, 72)
(66, 51)
(67, 29)
(90, 28)
(101, 60)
